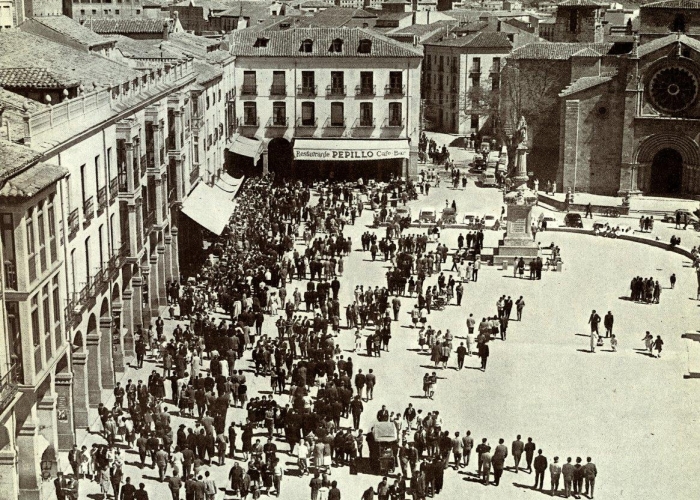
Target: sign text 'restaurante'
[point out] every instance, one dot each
(349, 154)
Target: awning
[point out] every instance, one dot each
(208, 208)
(246, 147)
(229, 184)
(350, 149)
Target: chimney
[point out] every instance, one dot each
(166, 29)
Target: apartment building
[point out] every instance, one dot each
(458, 75)
(97, 161)
(327, 102)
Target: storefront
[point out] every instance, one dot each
(350, 159)
(244, 156)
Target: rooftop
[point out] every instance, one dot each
(288, 43)
(660, 43)
(482, 40)
(31, 60)
(15, 158)
(126, 26)
(72, 30)
(581, 3)
(206, 72)
(673, 4)
(556, 51)
(585, 83)
(32, 180)
(34, 78)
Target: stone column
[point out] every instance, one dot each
(154, 286)
(28, 460)
(92, 341)
(175, 255)
(158, 180)
(137, 302)
(133, 240)
(117, 339)
(146, 312)
(168, 261)
(46, 416)
(162, 277)
(80, 390)
(9, 482)
(177, 114)
(106, 365)
(130, 182)
(127, 322)
(157, 144)
(64, 410)
(266, 162)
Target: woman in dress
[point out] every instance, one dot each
(649, 342)
(421, 339)
(658, 345)
(426, 385)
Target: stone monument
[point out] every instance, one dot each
(518, 240)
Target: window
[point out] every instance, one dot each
(279, 113)
(31, 248)
(261, 42)
(36, 335)
(15, 338)
(336, 45)
(56, 297)
(366, 82)
(74, 285)
(573, 21)
(195, 140)
(365, 46)
(42, 236)
(337, 83)
(366, 119)
(308, 117)
(474, 125)
(476, 65)
(307, 82)
(337, 114)
(495, 82)
(679, 24)
(82, 183)
(249, 83)
(250, 113)
(396, 81)
(87, 259)
(279, 85)
(496, 65)
(46, 311)
(100, 241)
(394, 114)
(307, 46)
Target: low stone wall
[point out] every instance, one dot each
(579, 207)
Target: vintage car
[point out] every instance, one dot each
(692, 217)
(427, 214)
(488, 178)
(573, 220)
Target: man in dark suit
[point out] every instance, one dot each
(383, 414)
(483, 354)
(567, 472)
(128, 491)
(608, 323)
(529, 454)
(540, 468)
(589, 473)
(517, 450)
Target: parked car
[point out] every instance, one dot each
(479, 163)
(402, 212)
(692, 217)
(573, 220)
(488, 178)
(427, 214)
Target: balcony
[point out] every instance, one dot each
(336, 91)
(88, 210)
(149, 222)
(116, 261)
(390, 123)
(144, 165)
(249, 122)
(172, 195)
(8, 387)
(113, 190)
(365, 123)
(475, 70)
(278, 90)
(194, 176)
(101, 200)
(73, 224)
(334, 124)
(365, 90)
(302, 123)
(249, 89)
(101, 282)
(306, 90)
(395, 90)
(278, 122)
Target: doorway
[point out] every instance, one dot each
(666, 172)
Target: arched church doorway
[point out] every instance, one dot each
(279, 156)
(666, 172)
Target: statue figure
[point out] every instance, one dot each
(522, 130)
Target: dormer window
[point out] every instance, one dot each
(337, 45)
(365, 46)
(261, 42)
(307, 46)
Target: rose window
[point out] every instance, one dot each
(673, 89)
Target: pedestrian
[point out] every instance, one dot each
(594, 340)
(594, 320)
(578, 478)
(673, 281)
(608, 323)
(520, 305)
(529, 454)
(483, 354)
(517, 450)
(658, 345)
(554, 473)
(540, 467)
(461, 353)
(613, 343)
(589, 474)
(567, 471)
(486, 466)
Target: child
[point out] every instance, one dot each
(613, 343)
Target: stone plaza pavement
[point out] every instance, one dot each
(633, 414)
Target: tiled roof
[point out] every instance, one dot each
(145, 49)
(556, 51)
(20, 50)
(586, 82)
(35, 78)
(206, 72)
(15, 157)
(72, 30)
(127, 25)
(422, 29)
(586, 52)
(580, 3)
(288, 43)
(19, 102)
(483, 40)
(31, 181)
(313, 4)
(659, 43)
(673, 4)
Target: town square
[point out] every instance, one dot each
(352, 250)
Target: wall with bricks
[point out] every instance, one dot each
(587, 26)
(657, 23)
